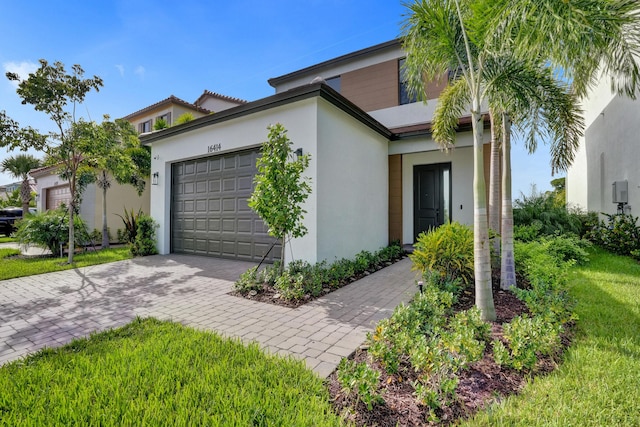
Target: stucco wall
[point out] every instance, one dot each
(299, 118)
(119, 198)
(612, 154)
(352, 187)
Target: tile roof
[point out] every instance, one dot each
(208, 93)
(170, 100)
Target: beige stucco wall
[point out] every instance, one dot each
(119, 198)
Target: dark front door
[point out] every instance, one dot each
(432, 196)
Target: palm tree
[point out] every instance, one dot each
(19, 167)
(437, 40)
(581, 38)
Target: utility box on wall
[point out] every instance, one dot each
(620, 192)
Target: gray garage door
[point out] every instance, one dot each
(209, 211)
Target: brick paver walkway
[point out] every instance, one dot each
(52, 309)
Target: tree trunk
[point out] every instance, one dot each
(482, 261)
(494, 187)
(72, 204)
(25, 196)
(284, 243)
(105, 228)
(508, 266)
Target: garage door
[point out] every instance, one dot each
(210, 214)
(57, 196)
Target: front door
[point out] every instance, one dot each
(432, 196)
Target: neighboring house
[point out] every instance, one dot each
(605, 175)
(6, 190)
(54, 191)
(171, 108)
(376, 174)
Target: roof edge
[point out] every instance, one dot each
(275, 81)
(283, 98)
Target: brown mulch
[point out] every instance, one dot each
(270, 295)
(483, 383)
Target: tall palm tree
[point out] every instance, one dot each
(583, 38)
(19, 167)
(437, 40)
(441, 35)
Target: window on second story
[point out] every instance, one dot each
(403, 90)
(333, 83)
(166, 117)
(144, 127)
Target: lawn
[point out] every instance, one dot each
(6, 239)
(599, 382)
(151, 372)
(19, 267)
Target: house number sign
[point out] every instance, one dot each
(214, 148)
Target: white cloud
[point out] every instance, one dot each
(139, 71)
(22, 69)
(120, 69)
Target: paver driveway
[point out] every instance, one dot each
(52, 309)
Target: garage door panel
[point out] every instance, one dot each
(215, 186)
(229, 184)
(210, 211)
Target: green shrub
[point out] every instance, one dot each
(543, 213)
(358, 379)
(527, 339)
(290, 285)
(130, 221)
(145, 242)
(49, 229)
(446, 251)
(619, 234)
(248, 281)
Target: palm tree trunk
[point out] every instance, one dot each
(25, 196)
(507, 267)
(482, 261)
(494, 186)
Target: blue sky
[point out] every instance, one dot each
(148, 50)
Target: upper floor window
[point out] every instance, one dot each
(333, 83)
(403, 90)
(144, 127)
(166, 117)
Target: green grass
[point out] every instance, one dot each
(161, 373)
(598, 383)
(6, 239)
(12, 268)
(7, 252)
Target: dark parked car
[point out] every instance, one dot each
(8, 216)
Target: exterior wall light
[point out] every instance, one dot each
(154, 179)
(298, 152)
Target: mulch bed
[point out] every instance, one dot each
(270, 295)
(483, 383)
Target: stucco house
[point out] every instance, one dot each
(376, 174)
(605, 176)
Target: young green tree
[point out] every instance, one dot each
(52, 90)
(117, 155)
(19, 167)
(280, 189)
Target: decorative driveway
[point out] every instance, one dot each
(52, 309)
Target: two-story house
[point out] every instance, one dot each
(376, 174)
